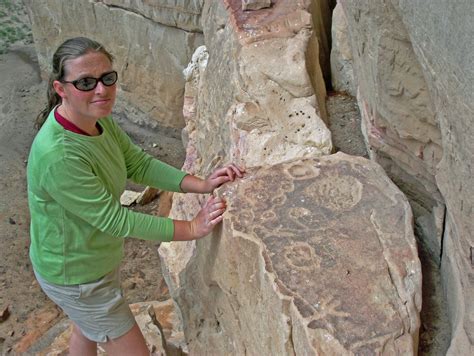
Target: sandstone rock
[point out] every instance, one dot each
(148, 194)
(129, 197)
(342, 74)
(150, 53)
(183, 14)
(255, 4)
(398, 113)
(37, 324)
(415, 89)
(264, 113)
(314, 256)
(161, 327)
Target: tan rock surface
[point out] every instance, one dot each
(398, 113)
(255, 4)
(416, 98)
(315, 255)
(342, 74)
(268, 110)
(262, 115)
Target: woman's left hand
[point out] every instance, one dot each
(223, 175)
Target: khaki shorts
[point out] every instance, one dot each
(97, 308)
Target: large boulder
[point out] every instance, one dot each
(151, 43)
(266, 112)
(256, 103)
(315, 256)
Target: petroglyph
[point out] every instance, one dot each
(340, 193)
(301, 256)
(315, 219)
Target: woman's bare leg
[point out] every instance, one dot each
(132, 343)
(80, 345)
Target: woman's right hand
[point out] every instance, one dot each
(207, 218)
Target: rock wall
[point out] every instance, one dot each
(414, 85)
(255, 95)
(151, 41)
(281, 276)
(315, 256)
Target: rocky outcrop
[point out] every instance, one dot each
(315, 256)
(342, 74)
(268, 111)
(263, 114)
(397, 111)
(412, 81)
(255, 4)
(151, 41)
(281, 280)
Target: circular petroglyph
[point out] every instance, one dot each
(301, 256)
(286, 186)
(243, 221)
(279, 200)
(336, 193)
(268, 215)
(303, 171)
(301, 215)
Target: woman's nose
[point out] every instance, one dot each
(100, 88)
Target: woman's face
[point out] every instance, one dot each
(87, 105)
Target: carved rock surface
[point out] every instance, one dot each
(314, 255)
(151, 41)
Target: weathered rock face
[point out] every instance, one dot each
(267, 112)
(342, 75)
(264, 113)
(397, 110)
(238, 293)
(415, 93)
(255, 4)
(151, 42)
(314, 255)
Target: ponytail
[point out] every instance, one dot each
(53, 100)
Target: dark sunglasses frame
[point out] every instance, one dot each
(97, 80)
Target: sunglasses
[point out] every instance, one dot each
(89, 83)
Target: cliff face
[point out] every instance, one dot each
(255, 95)
(414, 87)
(305, 231)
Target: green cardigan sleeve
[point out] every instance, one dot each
(145, 169)
(72, 184)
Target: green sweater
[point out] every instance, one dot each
(74, 188)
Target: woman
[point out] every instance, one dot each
(77, 170)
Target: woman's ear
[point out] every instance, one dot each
(59, 88)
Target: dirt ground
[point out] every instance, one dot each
(25, 312)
